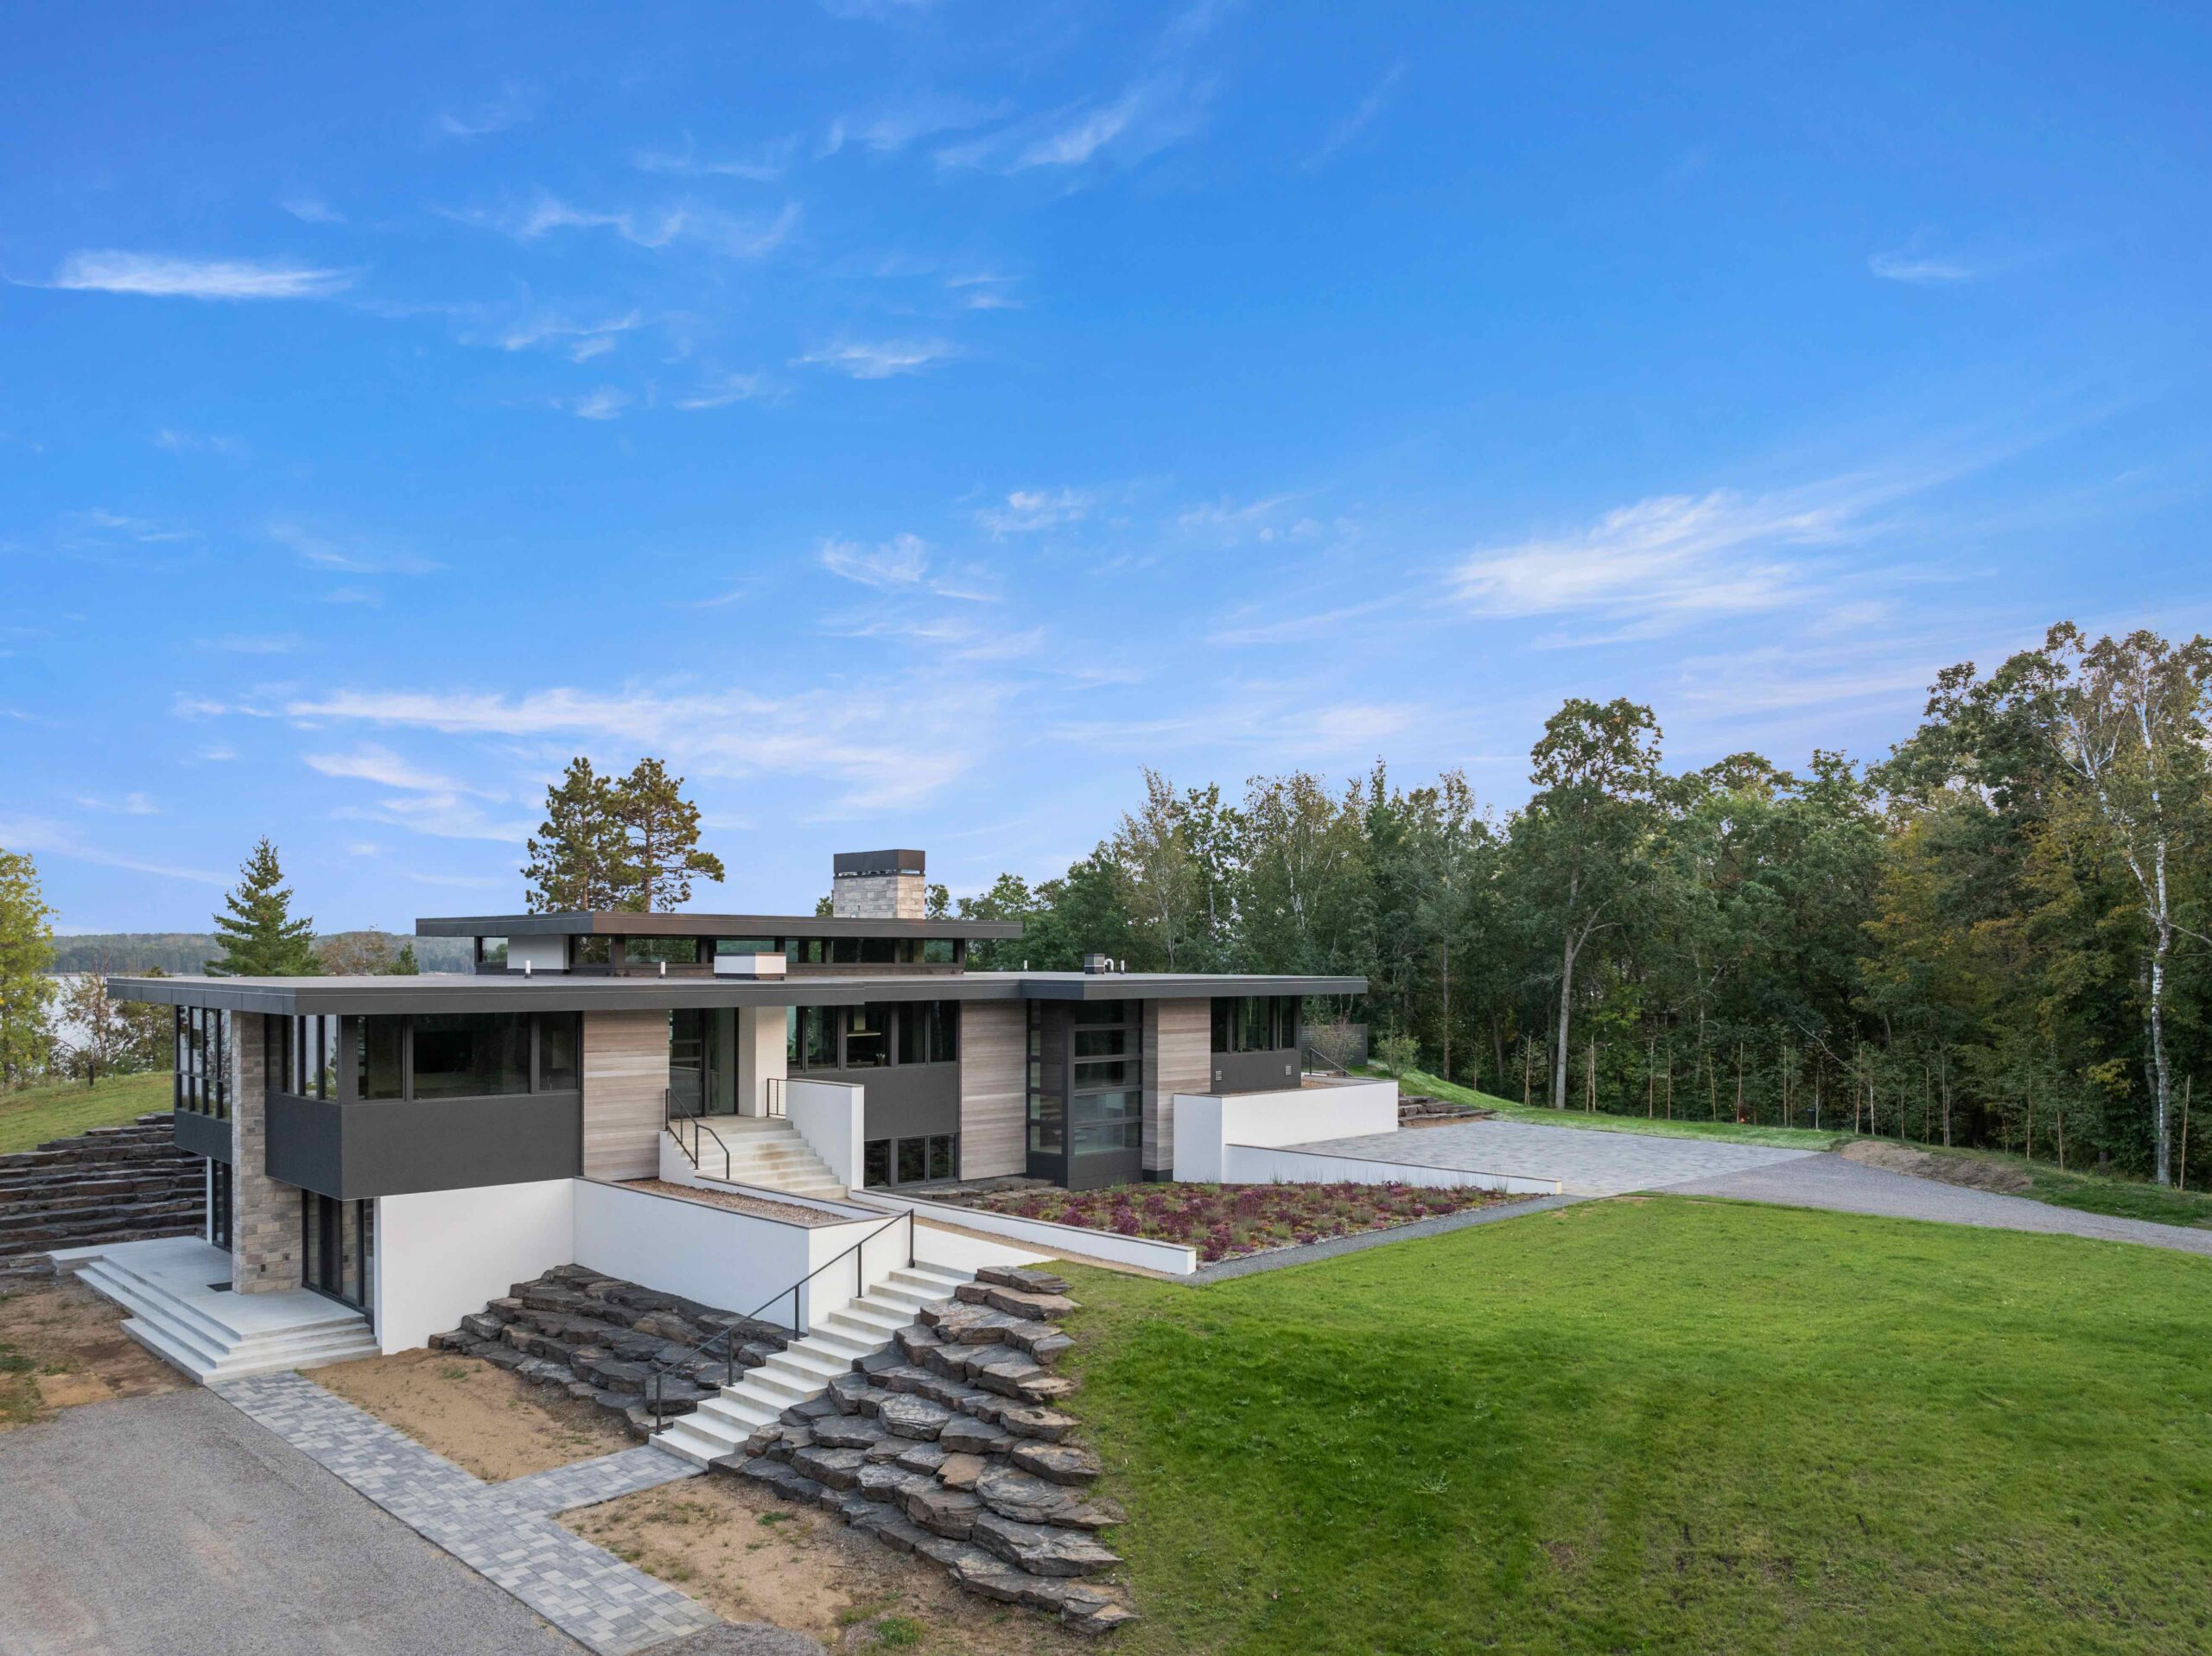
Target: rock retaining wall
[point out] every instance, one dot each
(948, 1445)
(112, 1184)
(598, 1337)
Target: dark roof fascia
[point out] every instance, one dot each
(604, 924)
(557, 991)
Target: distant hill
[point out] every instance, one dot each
(179, 953)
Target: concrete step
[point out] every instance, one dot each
(208, 1349)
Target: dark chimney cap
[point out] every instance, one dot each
(852, 864)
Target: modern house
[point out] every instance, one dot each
(388, 1139)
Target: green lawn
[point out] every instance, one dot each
(62, 1108)
(1665, 1425)
(1419, 1081)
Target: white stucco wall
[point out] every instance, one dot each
(443, 1254)
(1207, 1123)
(830, 1116)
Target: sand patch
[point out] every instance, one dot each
(492, 1424)
(753, 1557)
(61, 1346)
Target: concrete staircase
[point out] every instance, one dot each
(177, 1314)
(721, 1424)
(765, 1152)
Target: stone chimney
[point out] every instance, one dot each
(879, 886)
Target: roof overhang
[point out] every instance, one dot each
(600, 924)
(309, 997)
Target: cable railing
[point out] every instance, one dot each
(656, 1381)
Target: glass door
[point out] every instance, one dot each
(338, 1248)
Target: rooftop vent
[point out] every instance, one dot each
(1097, 961)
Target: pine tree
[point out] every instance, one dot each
(404, 965)
(26, 952)
(260, 938)
(661, 840)
(577, 858)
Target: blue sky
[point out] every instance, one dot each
(910, 419)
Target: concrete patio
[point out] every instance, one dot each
(1584, 1162)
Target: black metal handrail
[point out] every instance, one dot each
(655, 1381)
(694, 1148)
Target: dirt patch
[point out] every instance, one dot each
(484, 1419)
(754, 1558)
(1945, 1170)
(62, 1345)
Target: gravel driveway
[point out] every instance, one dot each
(175, 1526)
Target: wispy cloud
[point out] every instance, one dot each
(98, 526)
(889, 745)
(733, 236)
(579, 341)
(1914, 264)
(189, 442)
(59, 840)
(1146, 117)
(132, 804)
(601, 402)
(418, 799)
(369, 763)
(881, 359)
(1026, 512)
(723, 390)
(1667, 561)
(350, 558)
(1351, 126)
(161, 275)
(1266, 521)
(904, 563)
(763, 166)
(894, 126)
(312, 210)
(511, 106)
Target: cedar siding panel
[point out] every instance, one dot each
(625, 1087)
(993, 1089)
(1177, 1058)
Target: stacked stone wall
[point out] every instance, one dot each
(112, 1184)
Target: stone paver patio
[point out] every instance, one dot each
(1586, 1162)
(506, 1532)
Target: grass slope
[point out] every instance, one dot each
(1419, 1081)
(1665, 1425)
(62, 1109)
(2125, 1198)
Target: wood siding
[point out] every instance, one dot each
(625, 1084)
(993, 1089)
(1177, 1058)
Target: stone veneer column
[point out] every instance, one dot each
(266, 1239)
(1177, 1058)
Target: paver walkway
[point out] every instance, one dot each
(1844, 1186)
(506, 1532)
(1586, 1163)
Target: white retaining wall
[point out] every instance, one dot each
(443, 1254)
(1207, 1123)
(831, 1116)
(1254, 1164)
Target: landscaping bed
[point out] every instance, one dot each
(1226, 1221)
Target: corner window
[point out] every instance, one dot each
(490, 951)
(936, 951)
(558, 1069)
(471, 1054)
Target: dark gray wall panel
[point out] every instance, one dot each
(203, 1135)
(397, 1147)
(1256, 1072)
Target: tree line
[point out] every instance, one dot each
(1996, 936)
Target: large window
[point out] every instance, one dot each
(204, 1063)
(1255, 1023)
(872, 1036)
(471, 1054)
(927, 1159)
(1086, 1092)
(431, 1054)
(659, 951)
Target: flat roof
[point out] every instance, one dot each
(621, 924)
(435, 992)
